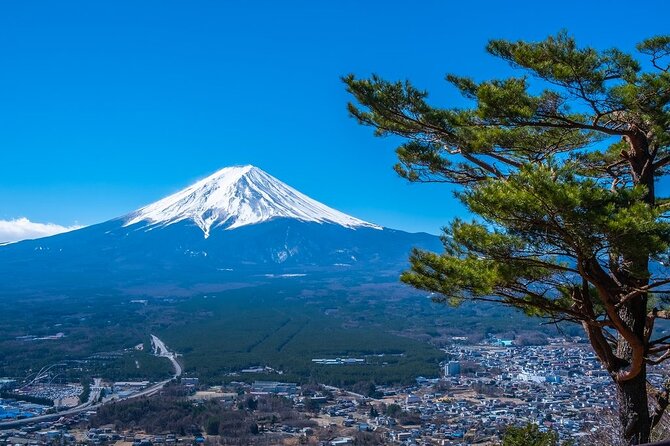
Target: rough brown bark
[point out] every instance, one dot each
(634, 409)
(633, 398)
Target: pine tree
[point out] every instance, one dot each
(560, 178)
(529, 435)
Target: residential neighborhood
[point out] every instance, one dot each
(482, 389)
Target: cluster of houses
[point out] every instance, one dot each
(483, 389)
(486, 388)
(59, 435)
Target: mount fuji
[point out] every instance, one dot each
(239, 196)
(238, 225)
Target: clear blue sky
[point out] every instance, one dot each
(108, 105)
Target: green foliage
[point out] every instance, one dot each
(286, 334)
(251, 404)
(529, 435)
(86, 391)
(173, 412)
(554, 176)
(537, 206)
(212, 426)
(393, 410)
(311, 405)
(265, 325)
(100, 332)
(559, 167)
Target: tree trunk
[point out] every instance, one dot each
(633, 398)
(634, 409)
(632, 393)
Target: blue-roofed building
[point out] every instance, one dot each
(554, 379)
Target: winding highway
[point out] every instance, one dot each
(159, 348)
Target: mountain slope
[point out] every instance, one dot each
(239, 225)
(238, 196)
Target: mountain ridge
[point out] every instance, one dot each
(237, 196)
(237, 225)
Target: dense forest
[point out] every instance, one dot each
(285, 327)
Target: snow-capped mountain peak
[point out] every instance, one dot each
(239, 196)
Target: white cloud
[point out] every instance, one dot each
(24, 229)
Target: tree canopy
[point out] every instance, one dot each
(558, 167)
(529, 435)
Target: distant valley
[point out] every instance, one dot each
(238, 271)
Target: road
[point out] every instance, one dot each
(337, 389)
(160, 349)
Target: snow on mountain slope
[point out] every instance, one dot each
(238, 196)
